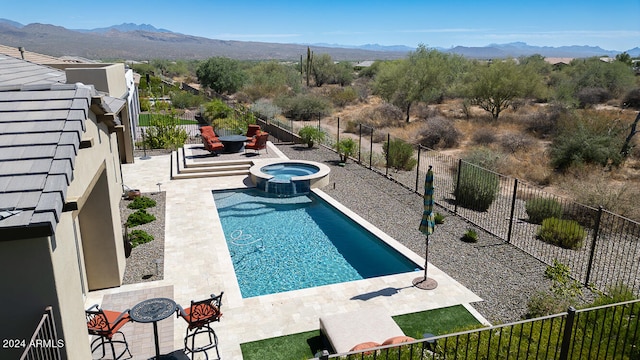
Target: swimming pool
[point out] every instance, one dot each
(283, 244)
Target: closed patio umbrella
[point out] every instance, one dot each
(427, 225)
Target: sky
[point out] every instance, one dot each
(444, 23)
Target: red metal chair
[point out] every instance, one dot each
(210, 140)
(258, 143)
(105, 324)
(199, 316)
(252, 130)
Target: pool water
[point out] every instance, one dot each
(289, 170)
(283, 244)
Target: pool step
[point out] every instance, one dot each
(183, 168)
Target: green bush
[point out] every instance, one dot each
(139, 237)
(545, 303)
(477, 188)
(164, 132)
(564, 233)
(142, 202)
(438, 218)
(185, 100)
(304, 106)
(215, 109)
(581, 145)
(399, 154)
(539, 209)
(470, 236)
(346, 148)
(141, 216)
(311, 134)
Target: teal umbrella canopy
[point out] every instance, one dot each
(428, 222)
(427, 225)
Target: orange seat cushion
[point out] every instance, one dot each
(100, 324)
(201, 314)
(398, 340)
(364, 346)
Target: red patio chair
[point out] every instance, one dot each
(252, 130)
(210, 140)
(258, 143)
(105, 324)
(199, 316)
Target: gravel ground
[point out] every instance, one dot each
(141, 265)
(504, 276)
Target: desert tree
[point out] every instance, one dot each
(222, 75)
(323, 69)
(423, 76)
(494, 86)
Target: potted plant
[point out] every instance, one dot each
(346, 148)
(311, 134)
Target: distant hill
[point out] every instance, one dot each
(127, 27)
(132, 43)
(143, 42)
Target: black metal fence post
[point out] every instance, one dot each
(513, 209)
(568, 331)
(386, 170)
(359, 143)
(596, 231)
(371, 150)
(338, 133)
(455, 191)
(418, 168)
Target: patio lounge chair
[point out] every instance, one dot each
(210, 140)
(105, 324)
(199, 316)
(360, 329)
(258, 143)
(252, 130)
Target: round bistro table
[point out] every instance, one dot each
(152, 311)
(233, 143)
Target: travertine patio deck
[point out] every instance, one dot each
(197, 263)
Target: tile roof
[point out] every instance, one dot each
(42, 120)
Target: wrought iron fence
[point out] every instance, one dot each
(605, 256)
(44, 344)
(603, 332)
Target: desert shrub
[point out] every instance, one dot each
(141, 216)
(543, 124)
(539, 209)
(477, 188)
(581, 145)
(304, 106)
(142, 202)
(439, 133)
(545, 303)
(346, 148)
(164, 132)
(438, 218)
(632, 99)
(514, 142)
(343, 96)
(265, 109)
(385, 112)
(486, 158)
(185, 100)
(139, 237)
(470, 236)
(592, 96)
(567, 234)
(399, 154)
(484, 136)
(145, 104)
(215, 109)
(424, 111)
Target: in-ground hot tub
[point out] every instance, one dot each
(289, 177)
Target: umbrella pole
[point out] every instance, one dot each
(425, 283)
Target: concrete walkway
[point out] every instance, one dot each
(197, 263)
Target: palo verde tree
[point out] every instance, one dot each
(222, 75)
(423, 76)
(496, 85)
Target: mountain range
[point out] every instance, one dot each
(143, 42)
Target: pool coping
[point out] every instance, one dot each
(316, 180)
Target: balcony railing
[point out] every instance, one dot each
(44, 344)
